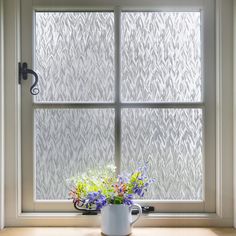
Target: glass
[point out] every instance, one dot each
(161, 57)
(74, 56)
(171, 140)
(67, 143)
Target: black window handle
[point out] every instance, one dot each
(23, 75)
(145, 210)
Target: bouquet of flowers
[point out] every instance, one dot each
(98, 188)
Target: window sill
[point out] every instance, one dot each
(64, 219)
(136, 231)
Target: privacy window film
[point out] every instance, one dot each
(151, 109)
(74, 56)
(161, 57)
(69, 142)
(171, 140)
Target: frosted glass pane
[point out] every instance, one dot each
(172, 141)
(68, 142)
(74, 56)
(161, 57)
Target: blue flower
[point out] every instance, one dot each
(113, 190)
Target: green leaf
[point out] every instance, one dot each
(117, 201)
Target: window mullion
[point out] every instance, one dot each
(117, 31)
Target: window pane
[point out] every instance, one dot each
(68, 142)
(161, 57)
(171, 140)
(74, 56)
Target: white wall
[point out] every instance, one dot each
(226, 105)
(234, 26)
(1, 121)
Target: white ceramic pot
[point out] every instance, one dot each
(117, 219)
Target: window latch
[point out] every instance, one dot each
(84, 210)
(23, 75)
(145, 210)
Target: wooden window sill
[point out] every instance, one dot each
(52, 231)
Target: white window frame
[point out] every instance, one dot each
(224, 196)
(29, 203)
(1, 119)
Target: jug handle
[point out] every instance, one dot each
(137, 206)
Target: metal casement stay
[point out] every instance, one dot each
(23, 75)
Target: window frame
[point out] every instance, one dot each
(28, 181)
(219, 217)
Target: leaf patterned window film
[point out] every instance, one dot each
(69, 142)
(74, 56)
(161, 57)
(171, 140)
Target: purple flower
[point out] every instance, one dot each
(95, 198)
(128, 199)
(120, 190)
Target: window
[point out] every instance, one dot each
(18, 116)
(125, 85)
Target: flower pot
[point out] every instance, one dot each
(117, 219)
